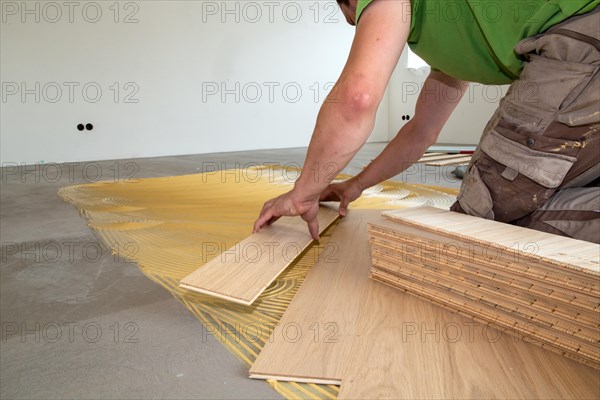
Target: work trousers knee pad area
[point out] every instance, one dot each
(545, 136)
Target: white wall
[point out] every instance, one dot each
(162, 68)
(467, 121)
(184, 77)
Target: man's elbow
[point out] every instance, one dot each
(358, 102)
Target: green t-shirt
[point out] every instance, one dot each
(473, 40)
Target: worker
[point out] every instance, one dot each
(537, 162)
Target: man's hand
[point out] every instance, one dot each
(344, 192)
(290, 204)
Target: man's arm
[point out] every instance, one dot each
(347, 118)
(437, 100)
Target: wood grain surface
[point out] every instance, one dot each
(427, 158)
(245, 270)
(315, 333)
(408, 348)
(452, 161)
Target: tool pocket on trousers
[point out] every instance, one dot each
(518, 178)
(474, 197)
(546, 169)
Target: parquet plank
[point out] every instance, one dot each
(407, 348)
(315, 333)
(244, 271)
(440, 157)
(451, 161)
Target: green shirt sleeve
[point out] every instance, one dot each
(360, 7)
(474, 40)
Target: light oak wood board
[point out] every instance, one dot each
(454, 161)
(425, 156)
(442, 157)
(549, 248)
(408, 348)
(244, 271)
(431, 155)
(315, 333)
(505, 290)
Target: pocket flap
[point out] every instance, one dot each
(474, 197)
(547, 169)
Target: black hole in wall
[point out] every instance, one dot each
(80, 127)
(89, 127)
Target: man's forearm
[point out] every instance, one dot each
(403, 151)
(341, 130)
(433, 109)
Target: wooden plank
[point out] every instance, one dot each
(244, 271)
(458, 160)
(536, 290)
(585, 259)
(442, 157)
(408, 348)
(425, 156)
(431, 155)
(324, 311)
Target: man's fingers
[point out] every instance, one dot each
(273, 219)
(344, 207)
(263, 218)
(313, 228)
(329, 196)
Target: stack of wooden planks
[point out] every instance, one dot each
(542, 287)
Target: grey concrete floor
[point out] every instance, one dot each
(76, 323)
